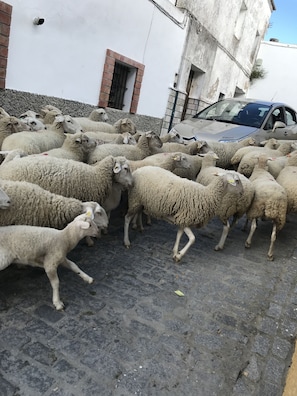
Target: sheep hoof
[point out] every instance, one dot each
(218, 247)
(59, 306)
(247, 245)
(270, 258)
(177, 257)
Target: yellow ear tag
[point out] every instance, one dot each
(89, 213)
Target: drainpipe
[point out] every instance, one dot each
(173, 110)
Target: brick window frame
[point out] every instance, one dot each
(5, 22)
(110, 60)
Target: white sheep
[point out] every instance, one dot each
(10, 125)
(3, 113)
(42, 140)
(146, 145)
(249, 160)
(71, 178)
(118, 138)
(98, 115)
(170, 137)
(33, 120)
(30, 204)
(287, 178)
(125, 125)
(191, 173)
(270, 202)
(4, 200)
(275, 165)
(180, 201)
(191, 148)
(271, 143)
(226, 150)
(46, 248)
(48, 114)
(233, 205)
(77, 147)
(169, 161)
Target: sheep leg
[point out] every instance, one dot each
(272, 240)
(128, 219)
(248, 242)
(177, 255)
(75, 268)
(54, 280)
(225, 232)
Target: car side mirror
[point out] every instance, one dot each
(278, 124)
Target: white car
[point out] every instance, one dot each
(230, 120)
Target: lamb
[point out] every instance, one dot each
(32, 119)
(270, 202)
(182, 202)
(232, 204)
(275, 165)
(125, 125)
(225, 151)
(77, 147)
(30, 204)
(43, 140)
(46, 248)
(146, 146)
(71, 178)
(249, 160)
(10, 125)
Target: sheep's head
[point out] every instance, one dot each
(99, 115)
(122, 172)
(14, 124)
(125, 125)
(68, 124)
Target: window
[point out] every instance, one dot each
(290, 117)
(121, 82)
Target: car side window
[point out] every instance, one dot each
(290, 117)
(276, 115)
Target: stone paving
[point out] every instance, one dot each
(129, 333)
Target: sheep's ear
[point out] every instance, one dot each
(126, 139)
(85, 225)
(89, 213)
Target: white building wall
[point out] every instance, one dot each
(279, 84)
(65, 56)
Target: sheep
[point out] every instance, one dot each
(98, 115)
(170, 137)
(287, 178)
(275, 165)
(48, 113)
(225, 151)
(118, 138)
(191, 173)
(169, 161)
(9, 126)
(46, 248)
(77, 147)
(12, 154)
(3, 113)
(30, 204)
(4, 200)
(125, 125)
(232, 205)
(270, 202)
(249, 160)
(42, 140)
(191, 148)
(271, 143)
(146, 146)
(32, 119)
(180, 201)
(71, 178)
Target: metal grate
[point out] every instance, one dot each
(118, 86)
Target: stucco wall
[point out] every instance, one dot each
(65, 56)
(279, 84)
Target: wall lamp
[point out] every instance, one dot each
(38, 21)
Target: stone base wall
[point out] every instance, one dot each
(17, 102)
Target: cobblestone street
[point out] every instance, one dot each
(129, 333)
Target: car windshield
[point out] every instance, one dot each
(236, 112)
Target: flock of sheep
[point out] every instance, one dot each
(61, 176)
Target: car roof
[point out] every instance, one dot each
(251, 100)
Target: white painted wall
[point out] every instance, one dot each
(65, 56)
(279, 61)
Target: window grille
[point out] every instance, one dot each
(118, 86)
